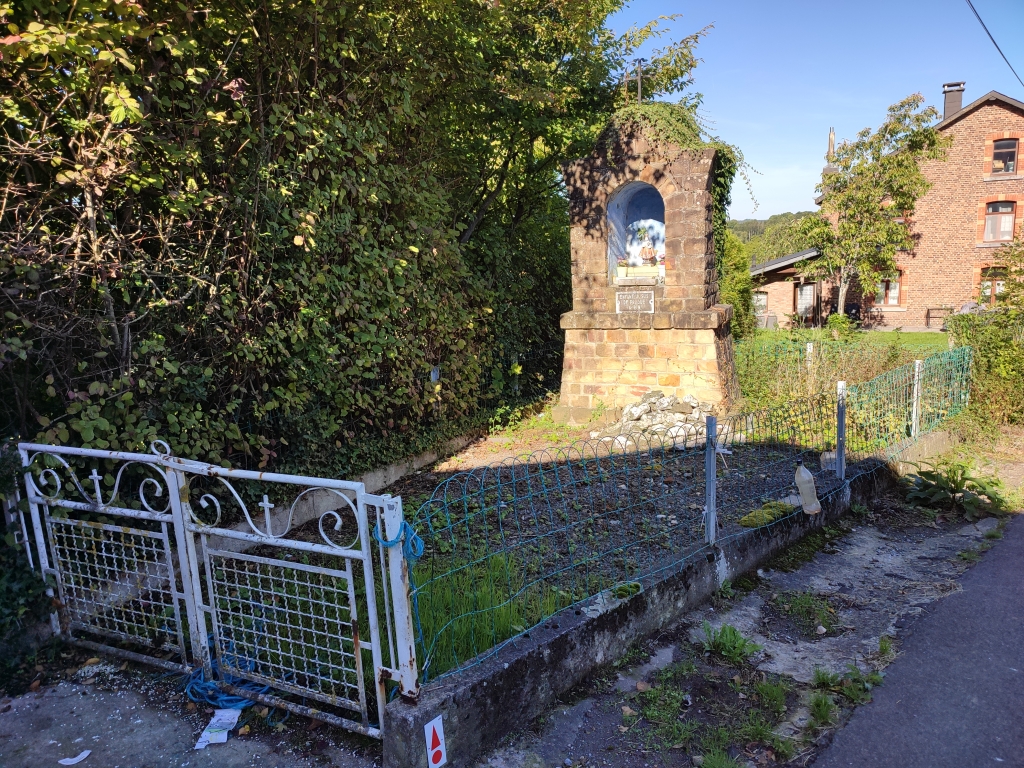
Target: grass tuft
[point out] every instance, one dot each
(772, 696)
(822, 710)
(808, 609)
(728, 643)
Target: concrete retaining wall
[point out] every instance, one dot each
(503, 694)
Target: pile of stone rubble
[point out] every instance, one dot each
(659, 415)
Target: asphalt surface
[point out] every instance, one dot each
(954, 698)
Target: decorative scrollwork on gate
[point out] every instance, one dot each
(47, 485)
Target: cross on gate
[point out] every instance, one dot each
(267, 505)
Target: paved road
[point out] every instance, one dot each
(955, 696)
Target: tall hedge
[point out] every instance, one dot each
(255, 229)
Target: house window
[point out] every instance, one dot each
(993, 283)
(999, 222)
(888, 293)
(760, 302)
(1004, 156)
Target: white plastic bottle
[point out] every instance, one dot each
(805, 484)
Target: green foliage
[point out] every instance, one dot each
(22, 592)
(737, 286)
(728, 643)
(841, 326)
(719, 760)
(748, 230)
(853, 684)
(661, 707)
(870, 190)
(951, 486)
(254, 234)
(772, 696)
(788, 236)
(808, 609)
(997, 338)
(822, 710)
(824, 679)
(767, 514)
(885, 648)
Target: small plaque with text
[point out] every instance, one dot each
(634, 301)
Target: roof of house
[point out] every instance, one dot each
(783, 261)
(995, 96)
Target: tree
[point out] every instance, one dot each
(737, 286)
(868, 198)
(245, 225)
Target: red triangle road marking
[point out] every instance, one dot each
(435, 742)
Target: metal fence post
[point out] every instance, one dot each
(710, 477)
(841, 430)
(915, 425)
(398, 572)
(188, 564)
(37, 533)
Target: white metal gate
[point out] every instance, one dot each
(253, 577)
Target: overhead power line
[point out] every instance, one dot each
(980, 21)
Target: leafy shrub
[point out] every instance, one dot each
(22, 592)
(729, 643)
(997, 337)
(952, 487)
(841, 326)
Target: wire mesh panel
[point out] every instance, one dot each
(287, 625)
(511, 545)
(117, 582)
(757, 457)
(111, 549)
(945, 386)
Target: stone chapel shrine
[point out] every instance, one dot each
(645, 314)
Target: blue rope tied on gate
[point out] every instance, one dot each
(412, 544)
(412, 548)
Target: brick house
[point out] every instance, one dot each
(975, 205)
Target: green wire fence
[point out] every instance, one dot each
(508, 546)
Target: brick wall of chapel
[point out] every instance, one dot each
(944, 268)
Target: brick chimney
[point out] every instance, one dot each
(954, 93)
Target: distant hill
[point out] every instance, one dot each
(747, 229)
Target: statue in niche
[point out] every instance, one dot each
(645, 250)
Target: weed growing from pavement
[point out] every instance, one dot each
(772, 696)
(809, 610)
(969, 556)
(661, 707)
(822, 710)
(853, 685)
(728, 643)
(885, 649)
(719, 760)
(995, 533)
(825, 679)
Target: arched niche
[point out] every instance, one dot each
(636, 234)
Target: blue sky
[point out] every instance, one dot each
(776, 76)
